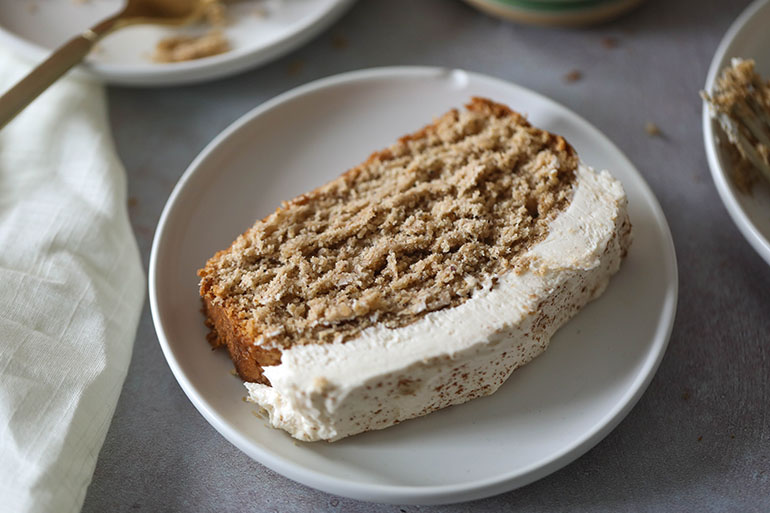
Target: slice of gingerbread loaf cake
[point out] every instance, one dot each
(417, 280)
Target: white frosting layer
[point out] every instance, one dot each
(384, 376)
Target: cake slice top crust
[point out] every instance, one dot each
(416, 228)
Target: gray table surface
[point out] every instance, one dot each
(698, 440)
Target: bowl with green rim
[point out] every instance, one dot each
(556, 12)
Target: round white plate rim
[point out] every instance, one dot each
(440, 494)
(750, 232)
(189, 72)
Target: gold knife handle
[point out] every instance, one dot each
(62, 60)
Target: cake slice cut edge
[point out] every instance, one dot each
(379, 374)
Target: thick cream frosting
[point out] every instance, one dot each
(384, 376)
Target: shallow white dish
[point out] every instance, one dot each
(748, 37)
(548, 413)
(33, 28)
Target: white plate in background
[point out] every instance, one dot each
(547, 414)
(259, 31)
(748, 37)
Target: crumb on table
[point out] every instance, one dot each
(339, 42)
(295, 67)
(610, 42)
(573, 76)
(652, 129)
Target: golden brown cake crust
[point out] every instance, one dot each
(415, 228)
(247, 357)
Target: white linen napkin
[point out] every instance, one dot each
(71, 290)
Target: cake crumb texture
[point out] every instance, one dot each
(416, 228)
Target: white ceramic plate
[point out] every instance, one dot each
(748, 37)
(548, 413)
(260, 30)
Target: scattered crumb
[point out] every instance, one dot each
(182, 48)
(261, 413)
(295, 443)
(243, 398)
(686, 395)
(144, 231)
(573, 76)
(340, 42)
(652, 129)
(295, 67)
(732, 437)
(700, 438)
(334, 502)
(233, 372)
(610, 42)
(132, 202)
(188, 48)
(32, 7)
(260, 12)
